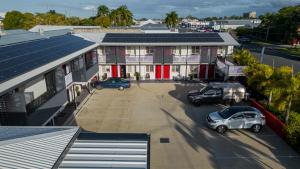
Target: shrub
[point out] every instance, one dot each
(293, 130)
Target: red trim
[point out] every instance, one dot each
(157, 71)
(211, 72)
(114, 71)
(272, 121)
(166, 71)
(202, 71)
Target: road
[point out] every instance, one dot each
(274, 57)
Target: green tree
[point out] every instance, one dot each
(29, 20)
(103, 11)
(286, 87)
(244, 57)
(171, 19)
(14, 20)
(103, 21)
(121, 16)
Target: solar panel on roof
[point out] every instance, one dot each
(161, 38)
(20, 58)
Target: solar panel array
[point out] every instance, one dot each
(162, 38)
(20, 58)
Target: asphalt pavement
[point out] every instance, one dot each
(274, 57)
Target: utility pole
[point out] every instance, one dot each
(262, 54)
(267, 35)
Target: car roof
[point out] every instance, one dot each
(238, 109)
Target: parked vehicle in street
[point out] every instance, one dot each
(218, 92)
(113, 83)
(236, 117)
(244, 40)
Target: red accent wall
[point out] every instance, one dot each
(157, 71)
(114, 70)
(166, 71)
(211, 72)
(272, 121)
(202, 71)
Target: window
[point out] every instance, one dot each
(210, 92)
(237, 117)
(195, 49)
(149, 68)
(179, 49)
(194, 69)
(149, 50)
(176, 68)
(249, 115)
(90, 59)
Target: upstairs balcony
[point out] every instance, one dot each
(193, 58)
(132, 58)
(179, 58)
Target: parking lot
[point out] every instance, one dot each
(161, 109)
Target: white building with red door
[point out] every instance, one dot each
(162, 56)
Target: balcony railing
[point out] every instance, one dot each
(179, 58)
(132, 58)
(68, 79)
(194, 58)
(32, 106)
(146, 58)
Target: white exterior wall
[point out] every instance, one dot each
(230, 50)
(102, 70)
(37, 87)
(143, 50)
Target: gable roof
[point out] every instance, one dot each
(165, 39)
(33, 147)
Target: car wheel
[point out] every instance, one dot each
(256, 128)
(221, 129)
(121, 88)
(197, 103)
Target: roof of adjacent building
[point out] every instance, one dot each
(108, 150)
(68, 147)
(238, 22)
(21, 61)
(33, 147)
(151, 26)
(19, 35)
(164, 39)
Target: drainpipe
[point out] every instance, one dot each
(163, 64)
(187, 53)
(140, 60)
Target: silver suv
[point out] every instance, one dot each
(236, 117)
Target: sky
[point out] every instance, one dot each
(149, 8)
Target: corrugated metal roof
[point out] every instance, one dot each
(116, 151)
(33, 147)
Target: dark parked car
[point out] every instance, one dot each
(244, 40)
(113, 83)
(206, 95)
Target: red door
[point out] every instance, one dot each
(202, 71)
(114, 71)
(166, 71)
(211, 72)
(157, 71)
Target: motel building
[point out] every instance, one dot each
(42, 75)
(163, 56)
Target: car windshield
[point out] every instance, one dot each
(226, 113)
(203, 90)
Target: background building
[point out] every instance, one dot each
(250, 15)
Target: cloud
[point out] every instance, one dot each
(89, 7)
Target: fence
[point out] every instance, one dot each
(272, 121)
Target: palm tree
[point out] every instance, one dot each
(103, 11)
(121, 16)
(286, 87)
(171, 19)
